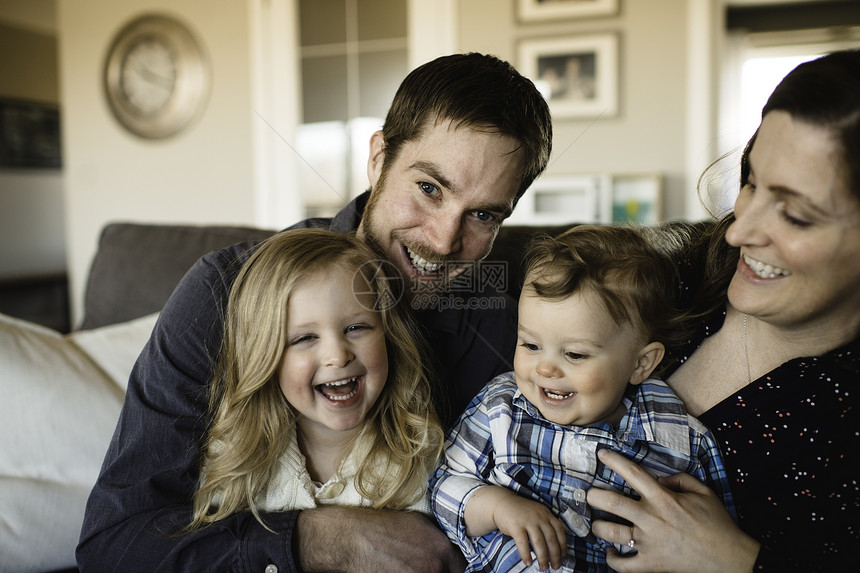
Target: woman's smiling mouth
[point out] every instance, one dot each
(764, 270)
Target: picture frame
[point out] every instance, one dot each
(637, 198)
(561, 199)
(605, 198)
(29, 135)
(577, 75)
(530, 10)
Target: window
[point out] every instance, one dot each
(353, 56)
(763, 43)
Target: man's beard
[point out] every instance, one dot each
(368, 224)
(373, 237)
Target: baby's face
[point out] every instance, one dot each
(573, 362)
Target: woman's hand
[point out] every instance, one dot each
(678, 525)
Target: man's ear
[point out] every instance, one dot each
(649, 357)
(376, 157)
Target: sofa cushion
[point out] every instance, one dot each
(60, 398)
(137, 266)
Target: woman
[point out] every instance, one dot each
(774, 367)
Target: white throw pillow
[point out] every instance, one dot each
(60, 398)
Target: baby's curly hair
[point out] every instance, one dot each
(625, 266)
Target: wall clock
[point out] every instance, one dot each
(156, 77)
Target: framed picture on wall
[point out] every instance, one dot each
(551, 9)
(560, 199)
(592, 198)
(577, 75)
(29, 135)
(637, 198)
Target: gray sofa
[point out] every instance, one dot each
(137, 266)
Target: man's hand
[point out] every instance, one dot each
(528, 522)
(337, 538)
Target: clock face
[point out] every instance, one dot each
(156, 77)
(148, 76)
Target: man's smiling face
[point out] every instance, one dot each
(436, 208)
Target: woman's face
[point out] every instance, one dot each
(798, 229)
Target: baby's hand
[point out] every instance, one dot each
(531, 523)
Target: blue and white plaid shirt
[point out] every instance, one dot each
(502, 439)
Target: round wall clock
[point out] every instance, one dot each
(156, 77)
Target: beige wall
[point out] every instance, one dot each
(212, 172)
(205, 174)
(649, 132)
(33, 15)
(32, 228)
(28, 64)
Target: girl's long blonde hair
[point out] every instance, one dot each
(251, 419)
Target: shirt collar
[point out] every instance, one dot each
(642, 422)
(656, 417)
(347, 219)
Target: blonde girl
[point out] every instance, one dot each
(320, 393)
